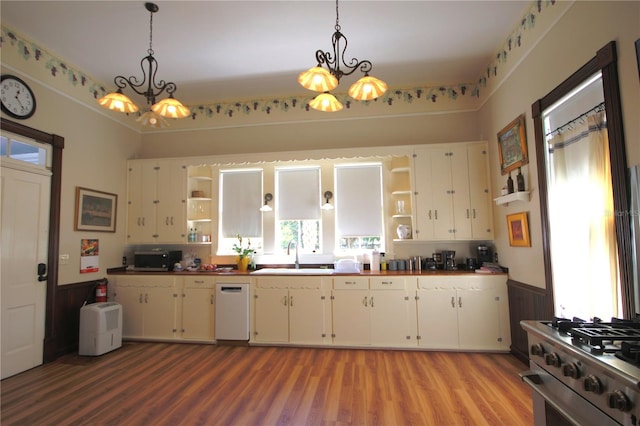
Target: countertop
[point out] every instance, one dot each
(235, 272)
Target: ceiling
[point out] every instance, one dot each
(233, 50)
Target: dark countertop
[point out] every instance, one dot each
(235, 272)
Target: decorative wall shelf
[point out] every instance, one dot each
(514, 196)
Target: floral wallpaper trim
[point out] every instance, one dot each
(60, 69)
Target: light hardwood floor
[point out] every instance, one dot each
(182, 384)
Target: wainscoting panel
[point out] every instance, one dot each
(525, 303)
(69, 299)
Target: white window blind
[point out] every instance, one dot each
(241, 199)
(359, 200)
(298, 196)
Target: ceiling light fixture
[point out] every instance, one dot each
(148, 87)
(324, 80)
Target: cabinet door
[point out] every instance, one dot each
(131, 299)
(198, 313)
(425, 212)
(351, 317)
(141, 202)
(271, 308)
(460, 192)
(391, 318)
(479, 318)
(479, 194)
(171, 202)
(159, 312)
(307, 316)
(438, 318)
(442, 190)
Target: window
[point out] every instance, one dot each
(240, 202)
(359, 207)
(298, 208)
(24, 150)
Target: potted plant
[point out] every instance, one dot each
(244, 254)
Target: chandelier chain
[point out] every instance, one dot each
(150, 51)
(337, 27)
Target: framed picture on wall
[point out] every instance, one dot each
(518, 230)
(512, 146)
(95, 210)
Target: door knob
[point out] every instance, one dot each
(42, 272)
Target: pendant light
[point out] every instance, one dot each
(324, 80)
(148, 87)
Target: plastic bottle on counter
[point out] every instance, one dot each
(375, 261)
(383, 262)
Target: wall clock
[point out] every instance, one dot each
(16, 97)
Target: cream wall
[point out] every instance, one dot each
(574, 40)
(94, 157)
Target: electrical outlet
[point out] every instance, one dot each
(64, 259)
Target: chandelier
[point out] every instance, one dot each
(148, 87)
(324, 80)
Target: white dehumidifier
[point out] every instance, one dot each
(100, 328)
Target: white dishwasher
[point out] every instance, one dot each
(232, 311)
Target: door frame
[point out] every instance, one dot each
(57, 144)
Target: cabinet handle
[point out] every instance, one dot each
(211, 299)
(349, 283)
(199, 281)
(138, 221)
(436, 214)
(371, 301)
(143, 221)
(166, 221)
(429, 214)
(284, 301)
(460, 302)
(140, 298)
(364, 301)
(146, 298)
(474, 213)
(467, 213)
(290, 300)
(387, 282)
(171, 220)
(453, 302)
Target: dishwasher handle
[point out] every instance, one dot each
(229, 289)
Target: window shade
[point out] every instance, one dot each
(359, 200)
(298, 196)
(240, 204)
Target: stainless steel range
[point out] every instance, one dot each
(584, 373)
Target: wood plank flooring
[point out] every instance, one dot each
(183, 384)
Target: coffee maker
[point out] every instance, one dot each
(485, 254)
(449, 260)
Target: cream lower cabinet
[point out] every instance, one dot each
(148, 306)
(198, 309)
(373, 311)
(291, 310)
(463, 312)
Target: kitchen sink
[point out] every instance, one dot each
(292, 271)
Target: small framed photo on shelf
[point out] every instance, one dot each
(95, 210)
(512, 146)
(518, 230)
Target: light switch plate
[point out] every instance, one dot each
(64, 259)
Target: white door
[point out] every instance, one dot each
(24, 232)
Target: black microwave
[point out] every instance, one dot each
(156, 260)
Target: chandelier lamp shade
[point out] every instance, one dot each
(320, 79)
(147, 87)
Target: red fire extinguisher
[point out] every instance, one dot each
(101, 290)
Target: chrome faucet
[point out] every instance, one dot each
(289, 249)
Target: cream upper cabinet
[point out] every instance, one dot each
(156, 201)
(451, 192)
(463, 312)
(291, 310)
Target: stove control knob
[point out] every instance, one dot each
(619, 401)
(592, 384)
(552, 359)
(571, 370)
(537, 349)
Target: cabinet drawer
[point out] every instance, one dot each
(199, 282)
(395, 283)
(145, 281)
(351, 283)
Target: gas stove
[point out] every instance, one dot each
(587, 372)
